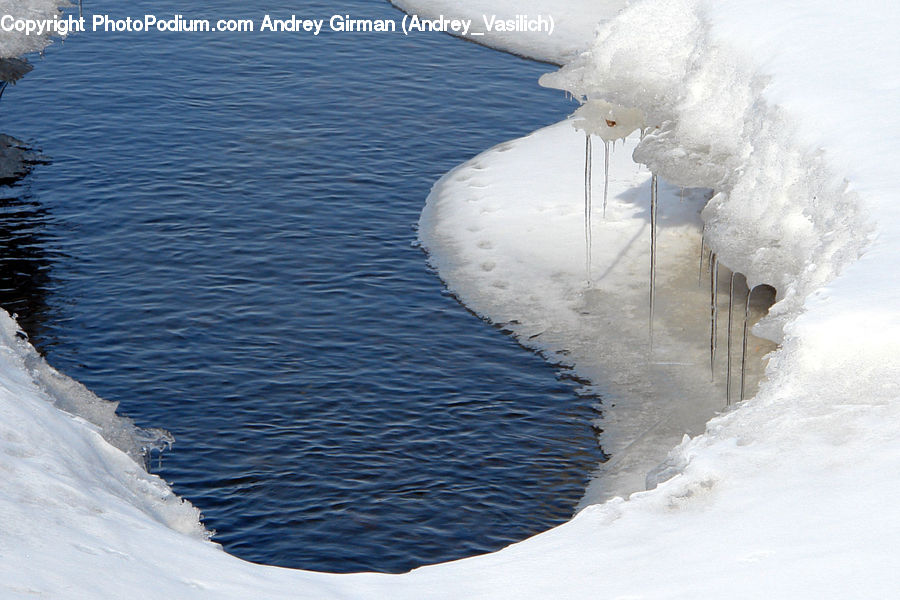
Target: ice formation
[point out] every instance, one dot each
(781, 215)
(15, 160)
(763, 220)
(588, 192)
(610, 123)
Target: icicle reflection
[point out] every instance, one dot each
(587, 207)
(702, 248)
(653, 206)
(728, 368)
(713, 312)
(744, 342)
(605, 176)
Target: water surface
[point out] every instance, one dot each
(224, 243)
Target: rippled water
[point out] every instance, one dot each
(223, 242)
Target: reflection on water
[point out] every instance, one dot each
(24, 264)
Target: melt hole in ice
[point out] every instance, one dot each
(766, 297)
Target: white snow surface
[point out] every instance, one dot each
(787, 111)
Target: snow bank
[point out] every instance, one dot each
(767, 106)
(779, 215)
(786, 111)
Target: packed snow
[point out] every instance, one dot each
(780, 121)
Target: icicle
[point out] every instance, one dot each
(728, 369)
(605, 176)
(702, 248)
(744, 343)
(587, 206)
(713, 312)
(653, 202)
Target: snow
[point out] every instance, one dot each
(504, 231)
(787, 112)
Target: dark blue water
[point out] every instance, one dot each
(224, 243)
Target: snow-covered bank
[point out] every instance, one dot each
(741, 98)
(505, 231)
(769, 108)
(779, 216)
(790, 495)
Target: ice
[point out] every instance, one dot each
(654, 201)
(72, 397)
(702, 252)
(609, 122)
(713, 312)
(735, 96)
(744, 341)
(588, 244)
(533, 229)
(605, 176)
(760, 219)
(729, 337)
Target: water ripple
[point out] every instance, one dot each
(223, 244)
